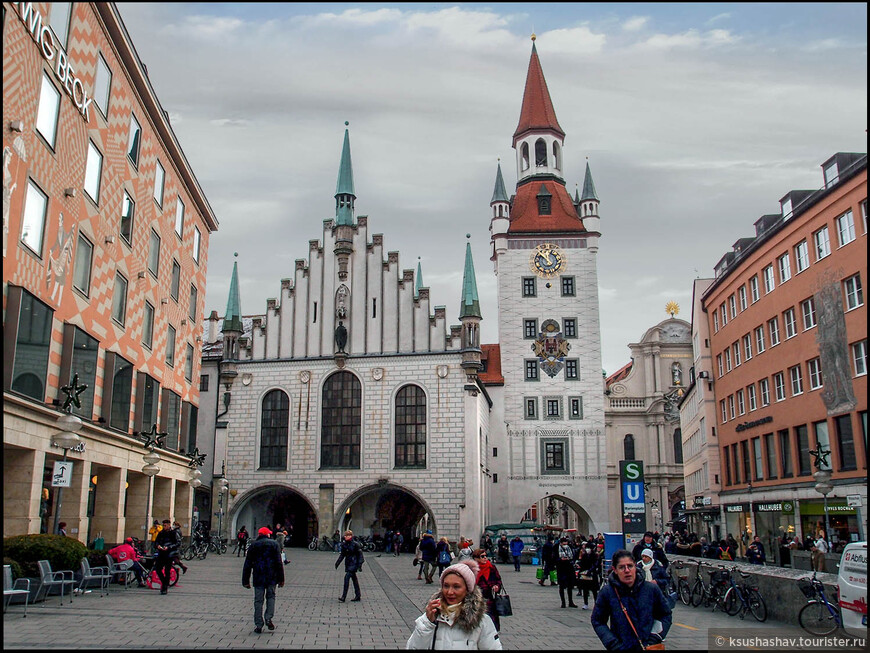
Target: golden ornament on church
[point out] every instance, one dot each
(672, 308)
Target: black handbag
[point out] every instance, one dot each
(502, 603)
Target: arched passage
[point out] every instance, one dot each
(271, 504)
(561, 511)
(376, 510)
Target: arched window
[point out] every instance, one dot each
(628, 447)
(540, 153)
(411, 427)
(678, 445)
(341, 423)
(524, 150)
(274, 423)
(557, 156)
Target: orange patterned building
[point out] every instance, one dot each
(105, 240)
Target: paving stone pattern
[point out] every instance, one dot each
(209, 609)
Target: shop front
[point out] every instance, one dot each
(843, 520)
(738, 519)
(775, 525)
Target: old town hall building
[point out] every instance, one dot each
(353, 401)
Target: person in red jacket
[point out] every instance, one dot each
(489, 581)
(126, 555)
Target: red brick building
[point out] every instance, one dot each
(788, 338)
(105, 240)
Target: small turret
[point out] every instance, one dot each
(232, 329)
(344, 207)
(470, 317)
(500, 218)
(589, 204)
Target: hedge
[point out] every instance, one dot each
(16, 568)
(62, 552)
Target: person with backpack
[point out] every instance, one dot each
(242, 541)
(443, 555)
(725, 551)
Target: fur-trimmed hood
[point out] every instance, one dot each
(472, 611)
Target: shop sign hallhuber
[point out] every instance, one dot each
(737, 507)
(769, 506)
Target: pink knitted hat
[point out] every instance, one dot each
(465, 568)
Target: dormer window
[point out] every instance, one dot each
(540, 153)
(544, 201)
(832, 175)
(786, 208)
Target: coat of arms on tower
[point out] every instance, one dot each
(551, 348)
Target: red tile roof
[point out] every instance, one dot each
(524, 210)
(619, 375)
(492, 355)
(537, 111)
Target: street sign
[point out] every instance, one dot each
(633, 497)
(853, 500)
(62, 476)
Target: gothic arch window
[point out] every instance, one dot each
(410, 422)
(524, 152)
(628, 447)
(557, 156)
(678, 445)
(540, 153)
(341, 421)
(274, 423)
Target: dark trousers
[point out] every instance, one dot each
(264, 595)
(589, 586)
(517, 563)
(163, 566)
(570, 589)
(490, 610)
(350, 576)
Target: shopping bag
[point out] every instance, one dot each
(539, 574)
(553, 576)
(502, 603)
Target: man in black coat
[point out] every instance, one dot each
(648, 542)
(428, 556)
(166, 547)
(264, 560)
(547, 559)
(352, 554)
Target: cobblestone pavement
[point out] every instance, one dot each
(210, 609)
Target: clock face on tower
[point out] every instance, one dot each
(547, 260)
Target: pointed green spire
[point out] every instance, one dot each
(233, 317)
(588, 186)
(499, 194)
(576, 195)
(344, 193)
(419, 283)
(470, 304)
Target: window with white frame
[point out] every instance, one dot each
(530, 328)
(845, 228)
(741, 403)
(179, 216)
(759, 339)
(572, 369)
(720, 365)
(732, 306)
(159, 178)
(531, 408)
(102, 85)
(854, 292)
(790, 321)
(731, 412)
(134, 141)
(801, 256)
(769, 283)
(831, 175)
(170, 346)
(779, 386)
(148, 325)
(715, 321)
(128, 207)
(724, 411)
(784, 266)
(859, 357)
(753, 288)
(773, 331)
(747, 347)
(741, 294)
(823, 243)
(864, 214)
(764, 392)
(808, 310)
(814, 368)
(48, 111)
(723, 316)
(33, 221)
(531, 365)
(82, 267)
(93, 172)
(576, 407)
(554, 407)
(735, 347)
(197, 241)
(750, 392)
(569, 327)
(797, 380)
(175, 280)
(728, 359)
(154, 253)
(119, 299)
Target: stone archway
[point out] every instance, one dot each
(376, 509)
(271, 504)
(560, 511)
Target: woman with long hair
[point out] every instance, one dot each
(489, 581)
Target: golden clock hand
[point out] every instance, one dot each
(546, 254)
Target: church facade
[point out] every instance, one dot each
(352, 402)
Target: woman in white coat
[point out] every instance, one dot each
(455, 616)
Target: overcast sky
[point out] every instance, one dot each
(696, 119)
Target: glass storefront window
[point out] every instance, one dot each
(843, 521)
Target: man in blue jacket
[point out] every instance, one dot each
(631, 604)
(428, 555)
(264, 560)
(517, 547)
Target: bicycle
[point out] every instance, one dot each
(744, 598)
(683, 588)
(313, 542)
(819, 616)
(712, 593)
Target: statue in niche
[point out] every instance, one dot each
(341, 296)
(676, 374)
(340, 337)
(837, 393)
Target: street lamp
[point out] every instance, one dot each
(152, 439)
(69, 425)
(823, 480)
(222, 485)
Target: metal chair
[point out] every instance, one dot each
(120, 569)
(94, 573)
(11, 588)
(49, 579)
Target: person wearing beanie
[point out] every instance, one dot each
(352, 554)
(264, 560)
(455, 616)
(654, 572)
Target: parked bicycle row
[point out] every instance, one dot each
(715, 586)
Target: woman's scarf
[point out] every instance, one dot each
(647, 568)
(485, 568)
